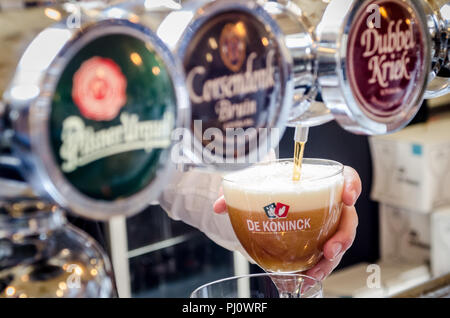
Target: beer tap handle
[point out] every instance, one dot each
(307, 109)
(300, 137)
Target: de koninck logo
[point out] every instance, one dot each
(278, 221)
(275, 211)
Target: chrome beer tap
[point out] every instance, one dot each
(332, 62)
(89, 106)
(358, 81)
(239, 75)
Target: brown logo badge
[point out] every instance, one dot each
(233, 46)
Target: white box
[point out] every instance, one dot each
(357, 281)
(411, 168)
(404, 235)
(440, 242)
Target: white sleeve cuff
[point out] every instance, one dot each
(190, 196)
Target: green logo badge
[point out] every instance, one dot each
(112, 116)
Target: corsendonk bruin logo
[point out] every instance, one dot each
(276, 211)
(233, 46)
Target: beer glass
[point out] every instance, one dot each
(260, 286)
(283, 224)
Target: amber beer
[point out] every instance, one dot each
(283, 224)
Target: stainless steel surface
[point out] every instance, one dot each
(438, 287)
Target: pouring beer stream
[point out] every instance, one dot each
(300, 138)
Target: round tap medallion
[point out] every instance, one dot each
(112, 115)
(235, 80)
(386, 56)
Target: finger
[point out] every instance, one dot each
(220, 206)
(324, 268)
(352, 186)
(344, 236)
(337, 245)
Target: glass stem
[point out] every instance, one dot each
(287, 287)
(284, 294)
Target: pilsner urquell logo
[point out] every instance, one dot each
(99, 92)
(275, 211)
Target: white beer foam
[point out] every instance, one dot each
(260, 185)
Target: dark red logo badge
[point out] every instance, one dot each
(385, 57)
(99, 89)
(281, 210)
